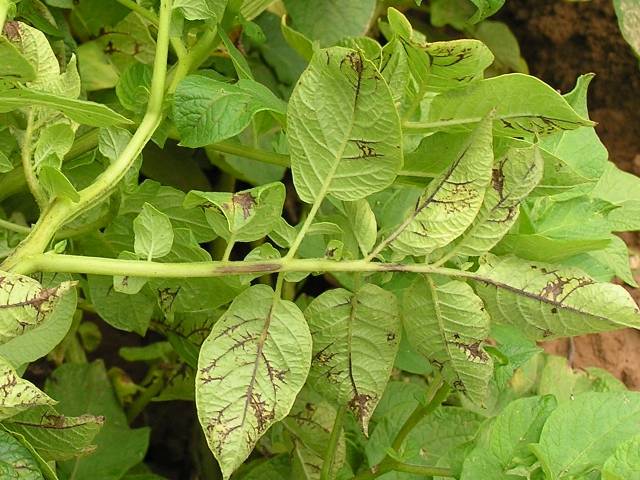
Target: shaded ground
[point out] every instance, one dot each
(561, 40)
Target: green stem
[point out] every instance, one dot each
(436, 394)
(52, 262)
(198, 54)
(140, 10)
(14, 227)
(61, 210)
(227, 251)
(327, 464)
(139, 404)
(250, 152)
(27, 165)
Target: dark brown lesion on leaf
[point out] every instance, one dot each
(9, 383)
(473, 351)
(324, 356)
(459, 386)
(360, 404)
(366, 148)
(561, 287)
(263, 414)
(246, 202)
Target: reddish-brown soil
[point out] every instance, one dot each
(561, 40)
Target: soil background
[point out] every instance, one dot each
(561, 40)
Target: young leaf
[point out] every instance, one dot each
(580, 435)
(57, 184)
(524, 106)
(506, 444)
(514, 176)
(18, 394)
(16, 461)
(546, 301)
(625, 461)
(54, 141)
(343, 128)
(251, 367)
(208, 111)
(25, 304)
(363, 223)
(355, 341)
(81, 111)
(153, 233)
(56, 437)
(84, 389)
(447, 324)
(451, 201)
(244, 216)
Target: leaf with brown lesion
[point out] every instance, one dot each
(355, 341)
(25, 304)
(250, 369)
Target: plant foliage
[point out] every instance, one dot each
(337, 239)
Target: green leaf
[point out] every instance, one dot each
(126, 283)
(208, 111)
(447, 324)
(54, 141)
(580, 435)
(455, 63)
(243, 216)
(25, 303)
(343, 129)
(310, 423)
(84, 389)
(18, 394)
(546, 301)
(296, 40)
(504, 46)
(56, 437)
(623, 190)
(14, 65)
(131, 313)
(153, 233)
(625, 461)
(514, 176)
(251, 367)
(554, 230)
(331, 20)
(81, 111)
(35, 343)
(506, 444)
(485, 8)
(134, 87)
(355, 341)
(56, 184)
(524, 106)
(201, 9)
(452, 200)
(112, 141)
(363, 223)
(16, 461)
(628, 12)
(240, 63)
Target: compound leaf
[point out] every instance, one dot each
(452, 200)
(447, 324)
(546, 301)
(355, 341)
(250, 369)
(343, 128)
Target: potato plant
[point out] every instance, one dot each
(337, 240)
